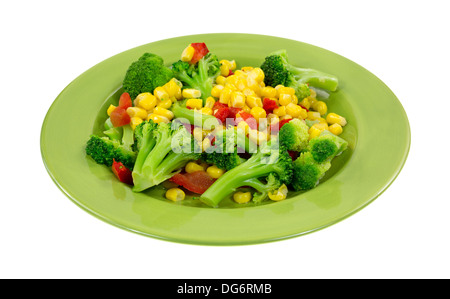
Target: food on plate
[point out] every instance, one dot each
(215, 130)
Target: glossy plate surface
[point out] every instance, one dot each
(378, 133)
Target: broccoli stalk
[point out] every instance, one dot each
(104, 149)
(263, 189)
(200, 75)
(308, 172)
(326, 146)
(160, 159)
(271, 158)
(278, 70)
(145, 74)
(194, 117)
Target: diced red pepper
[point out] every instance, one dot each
(200, 51)
(119, 117)
(122, 173)
(125, 100)
(269, 105)
(218, 105)
(197, 182)
(222, 114)
(248, 118)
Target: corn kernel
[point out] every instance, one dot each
(253, 101)
(284, 99)
(215, 172)
(314, 132)
(258, 112)
(110, 109)
(187, 53)
(232, 64)
(228, 63)
(190, 93)
(294, 99)
(280, 111)
(161, 93)
(249, 92)
(194, 103)
(206, 110)
(242, 197)
(237, 99)
(246, 69)
(137, 112)
(243, 125)
(157, 118)
(145, 101)
(247, 109)
(225, 95)
(278, 87)
(209, 103)
(322, 120)
(175, 194)
(285, 90)
(163, 112)
(135, 121)
(336, 129)
(272, 118)
(198, 133)
(312, 101)
(268, 92)
(305, 103)
(321, 107)
(193, 167)
(221, 80)
(333, 118)
(241, 84)
(173, 89)
(293, 110)
(216, 90)
(320, 126)
(303, 114)
(279, 194)
(287, 116)
(256, 136)
(165, 103)
(224, 70)
(258, 74)
(313, 115)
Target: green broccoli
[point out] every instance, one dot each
(271, 184)
(157, 161)
(145, 74)
(308, 172)
(271, 158)
(294, 135)
(278, 70)
(103, 149)
(193, 117)
(326, 146)
(200, 75)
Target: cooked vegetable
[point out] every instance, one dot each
(164, 150)
(122, 172)
(199, 76)
(308, 172)
(278, 70)
(146, 74)
(326, 146)
(294, 135)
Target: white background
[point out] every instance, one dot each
(47, 44)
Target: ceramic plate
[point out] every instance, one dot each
(378, 134)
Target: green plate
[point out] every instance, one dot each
(378, 133)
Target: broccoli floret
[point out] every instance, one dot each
(326, 146)
(160, 159)
(145, 74)
(104, 150)
(278, 70)
(308, 172)
(294, 135)
(200, 75)
(271, 158)
(271, 184)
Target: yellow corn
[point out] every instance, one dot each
(272, 118)
(333, 118)
(287, 116)
(320, 126)
(336, 129)
(193, 167)
(187, 53)
(237, 99)
(279, 194)
(198, 133)
(321, 107)
(312, 101)
(322, 120)
(258, 112)
(173, 89)
(145, 101)
(284, 99)
(242, 197)
(230, 64)
(303, 114)
(194, 103)
(160, 93)
(110, 109)
(189, 93)
(293, 110)
(256, 136)
(216, 90)
(305, 103)
(268, 92)
(258, 74)
(137, 112)
(314, 132)
(209, 103)
(224, 69)
(313, 115)
(221, 80)
(243, 125)
(249, 91)
(135, 121)
(215, 172)
(165, 103)
(253, 101)
(206, 143)
(175, 194)
(285, 90)
(225, 95)
(280, 111)
(163, 112)
(246, 69)
(206, 110)
(157, 118)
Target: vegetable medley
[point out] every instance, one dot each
(252, 133)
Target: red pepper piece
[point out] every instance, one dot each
(222, 114)
(200, 51)
(197, 182)
(122, 173)
(269, 105)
